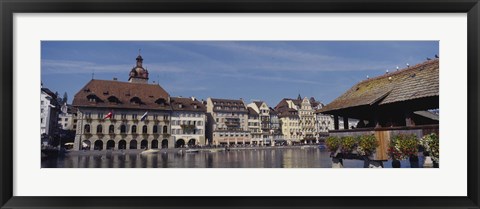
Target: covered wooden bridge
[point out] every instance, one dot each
(404, 101)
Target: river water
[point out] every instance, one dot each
(242, 158)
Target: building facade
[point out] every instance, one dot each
(307, 121)
(112, 114)
(298, 119)
(227, 122)
(67, 118)
(254, 127)
(275, 129)
(49, 110)
(188, 122)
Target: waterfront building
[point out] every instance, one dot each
(324, 122)
(67, 118)
(188, 121)
(227, 122)
(112, 114)
(289, 121)
(307, 121)
(254, 127)
(401, 101)
(275, 128)
(49, 110)
(263, 111)
(298, 119)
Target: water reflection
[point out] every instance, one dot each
(260, 158)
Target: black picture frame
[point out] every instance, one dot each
(10, 7)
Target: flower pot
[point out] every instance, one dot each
(396, 163)
(428, 162)
(413, 161)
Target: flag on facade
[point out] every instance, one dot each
(109, 115)
(144, 116)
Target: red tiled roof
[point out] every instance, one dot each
(421, 80)
(187, 104)
(118, 94)
(230, 104)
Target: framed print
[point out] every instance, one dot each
(262, 104)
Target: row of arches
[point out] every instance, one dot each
(133, 144)
(122, 144)
(123, 129)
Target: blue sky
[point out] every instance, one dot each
(252, 70)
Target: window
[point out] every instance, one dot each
(155, 116)
(66, 119)
(165, 117)
(134, 129)
(134, 116)
(123, 129)
(99, 129)
(41, 110)
(155, 129)
(88, 115)
(42, 102)
(144, 129)
(41, 120)
(124, 116)
(165, 129)
(86, 128)
(100, 115)
(111, 129)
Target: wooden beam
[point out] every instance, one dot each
(335, 122)
(409, 119)
(345, 122)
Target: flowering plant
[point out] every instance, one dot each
(348, 144)
(332, 143)
(403, 146)
(430, 143)
(367, 144)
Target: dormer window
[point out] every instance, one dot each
(195, 106)
(135, 100)
(93, 98)
(180, 105)
(113, 99)
(160, 101)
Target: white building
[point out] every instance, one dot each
(254, 127)
(67, 117)
(188, 122)
(49, 109)
(324, 122)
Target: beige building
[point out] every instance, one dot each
(138, 114)
(263, 111)
(227, 122)
(298, 120)
(188, 122)
(254, 127)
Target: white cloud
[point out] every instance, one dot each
(81, 67)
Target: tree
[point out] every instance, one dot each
(65, 98)
(57, 96)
